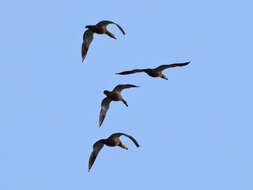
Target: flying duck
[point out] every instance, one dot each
(99, 28)
(114, 95)
(156, 72)
(113, 140)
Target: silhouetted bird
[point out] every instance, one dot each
(99, 28)
(114, 95)
(156, 72)
(111, 141)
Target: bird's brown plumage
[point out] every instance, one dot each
(155, 72)
(111, 141)
(117, 135)
(104, 108)
(104, 23)
(87, 39)
(121, 87)
(114, 95)
(99, 28)
(162, 67)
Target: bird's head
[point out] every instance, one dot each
(106, 92)
(88, 26)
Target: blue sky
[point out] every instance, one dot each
(195, 130)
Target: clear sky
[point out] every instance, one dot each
(194, 130)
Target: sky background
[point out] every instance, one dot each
(194, 130)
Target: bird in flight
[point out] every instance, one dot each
(114, 95)
(156, 72)
(99, 28)
(113, 140)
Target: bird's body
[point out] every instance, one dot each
(99, 28)
(114, 95)
(152, 72)
(112, 141)
(96, 29)
(156, 72)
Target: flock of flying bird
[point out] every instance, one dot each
(115, 94)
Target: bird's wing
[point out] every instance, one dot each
(104, 108)
(106, 22)
(121, 29)
(162, 67)
(123, 86)
(131, 72)
(87, 39)
(96, 148)
(115, 135)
